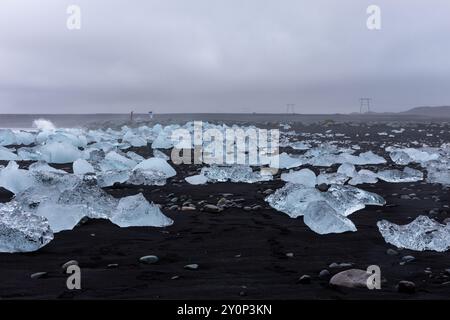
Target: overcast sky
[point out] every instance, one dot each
(222, 56)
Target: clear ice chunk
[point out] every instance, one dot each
(7, 154)
(397, 176)
(59, 152)
(420, 235)
(136, 211)
(82, 167)
(22, 231)
(234, 173)
(304, 177)
(321, 218)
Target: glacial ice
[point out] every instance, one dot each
(304, 177)
(347, 169)
(420, 235)
(324, 212)
(234, 173)
(81, 167)
(7, 154)
(396, 176)
(14, 179)
(59, 152)
(7, 137)
(22, 231)
(136, 211)
(156, 164)
(321, 218)
(115, 161)
(196, 179)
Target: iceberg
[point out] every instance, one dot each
(420, 235)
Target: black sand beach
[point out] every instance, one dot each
(241, 254)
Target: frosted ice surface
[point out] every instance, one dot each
(115, 161)
(134, 156)
(285, 161)
(197, 179)
(156, 164)
(108, 178)
(234, 173)
(59, 152)
(136, 211)
(347, 169)
(81, 167)
(400, 157)
(7, 154)
(61, 217)
(332, 178)
(7, 137)
(420, 235)
(24, 138)
(299, 145)
(305, 177)
(159, 154)
(22, 231)
(15, 179)
(395, 176)
(364, 176)
(147, 177)
(98, 203)
(321, 218)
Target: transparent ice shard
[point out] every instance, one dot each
(62, 217)
(397, 176)
(321, 218)
(136, 211)
(304, 177)
(159, 154)
(420, 235)
(234, 173)
(22, 231)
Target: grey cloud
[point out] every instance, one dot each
(222, 55)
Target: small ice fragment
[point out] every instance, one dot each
(197, 179)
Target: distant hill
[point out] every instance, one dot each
(443, 111)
